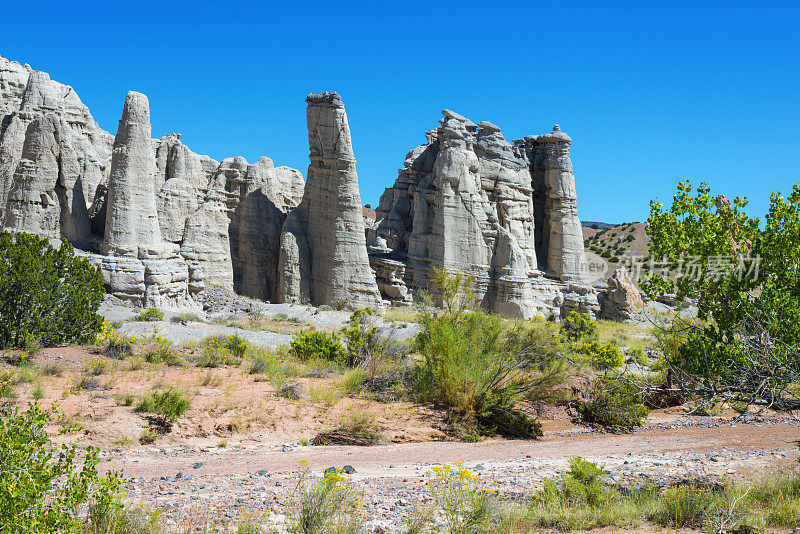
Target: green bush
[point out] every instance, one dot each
(318, 345)
(164, 353)
(612, 402)
(167, 405)
(601, 356)
(233, 344)
(578, 327)
(43, 488)
(581, 486)
(222, 350)
(361, 336)
(47, 293)
(149, 315)
(481, 367)
(684, 507)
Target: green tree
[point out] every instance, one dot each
(46, 292)
(745, 279)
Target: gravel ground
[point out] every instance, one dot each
(258, 478)
(218, 303)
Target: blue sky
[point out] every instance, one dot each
(650, 92)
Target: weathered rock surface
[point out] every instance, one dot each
(622, 299)
(323, 256)
(52, 154)
(465, 201)
(559, 237)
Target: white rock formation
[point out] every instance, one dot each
(560, 240)
(465, 201)
(52, 153)
(161, 219)
(323, 256)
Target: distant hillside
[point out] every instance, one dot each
(611, 244)
(598, 224)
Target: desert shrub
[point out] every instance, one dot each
(44, 487)
(352, 381)
(288, 391)
(327, 504)
(167, 405)
(465, 503)
(148, 437)
(149, 315)
(164, 353)
(51, 368)
(222, 350)
(361, 336)
(234, 344)
(186, 317)
(125, 400)
(583, 483)
(481, 367)
(97, 366)
(612, 402)
(318, 345)
(353, 428)
(366, 347)
(578, 327)
(684, 507)
(268, 364)
(280, 317)
(117, 345)
(82, 382)
(46, 292)
(7, 383)
(601, 356)
(115, 519)
(210, 379)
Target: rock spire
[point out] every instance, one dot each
(323, 256)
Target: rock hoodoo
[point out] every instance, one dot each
(323, 255)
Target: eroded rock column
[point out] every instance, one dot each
(323, 256)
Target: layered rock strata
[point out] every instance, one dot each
(323, 256)
(504, 214)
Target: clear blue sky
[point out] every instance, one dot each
(651, 92)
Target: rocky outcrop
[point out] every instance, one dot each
(137, 264)
(465, 201)
(162, 221)
(323, 256)
(622, 300)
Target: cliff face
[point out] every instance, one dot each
(471, 202)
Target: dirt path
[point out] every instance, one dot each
(372, 461)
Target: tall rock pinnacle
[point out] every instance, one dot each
(323, 256)
(132, 215)
(560, 248)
